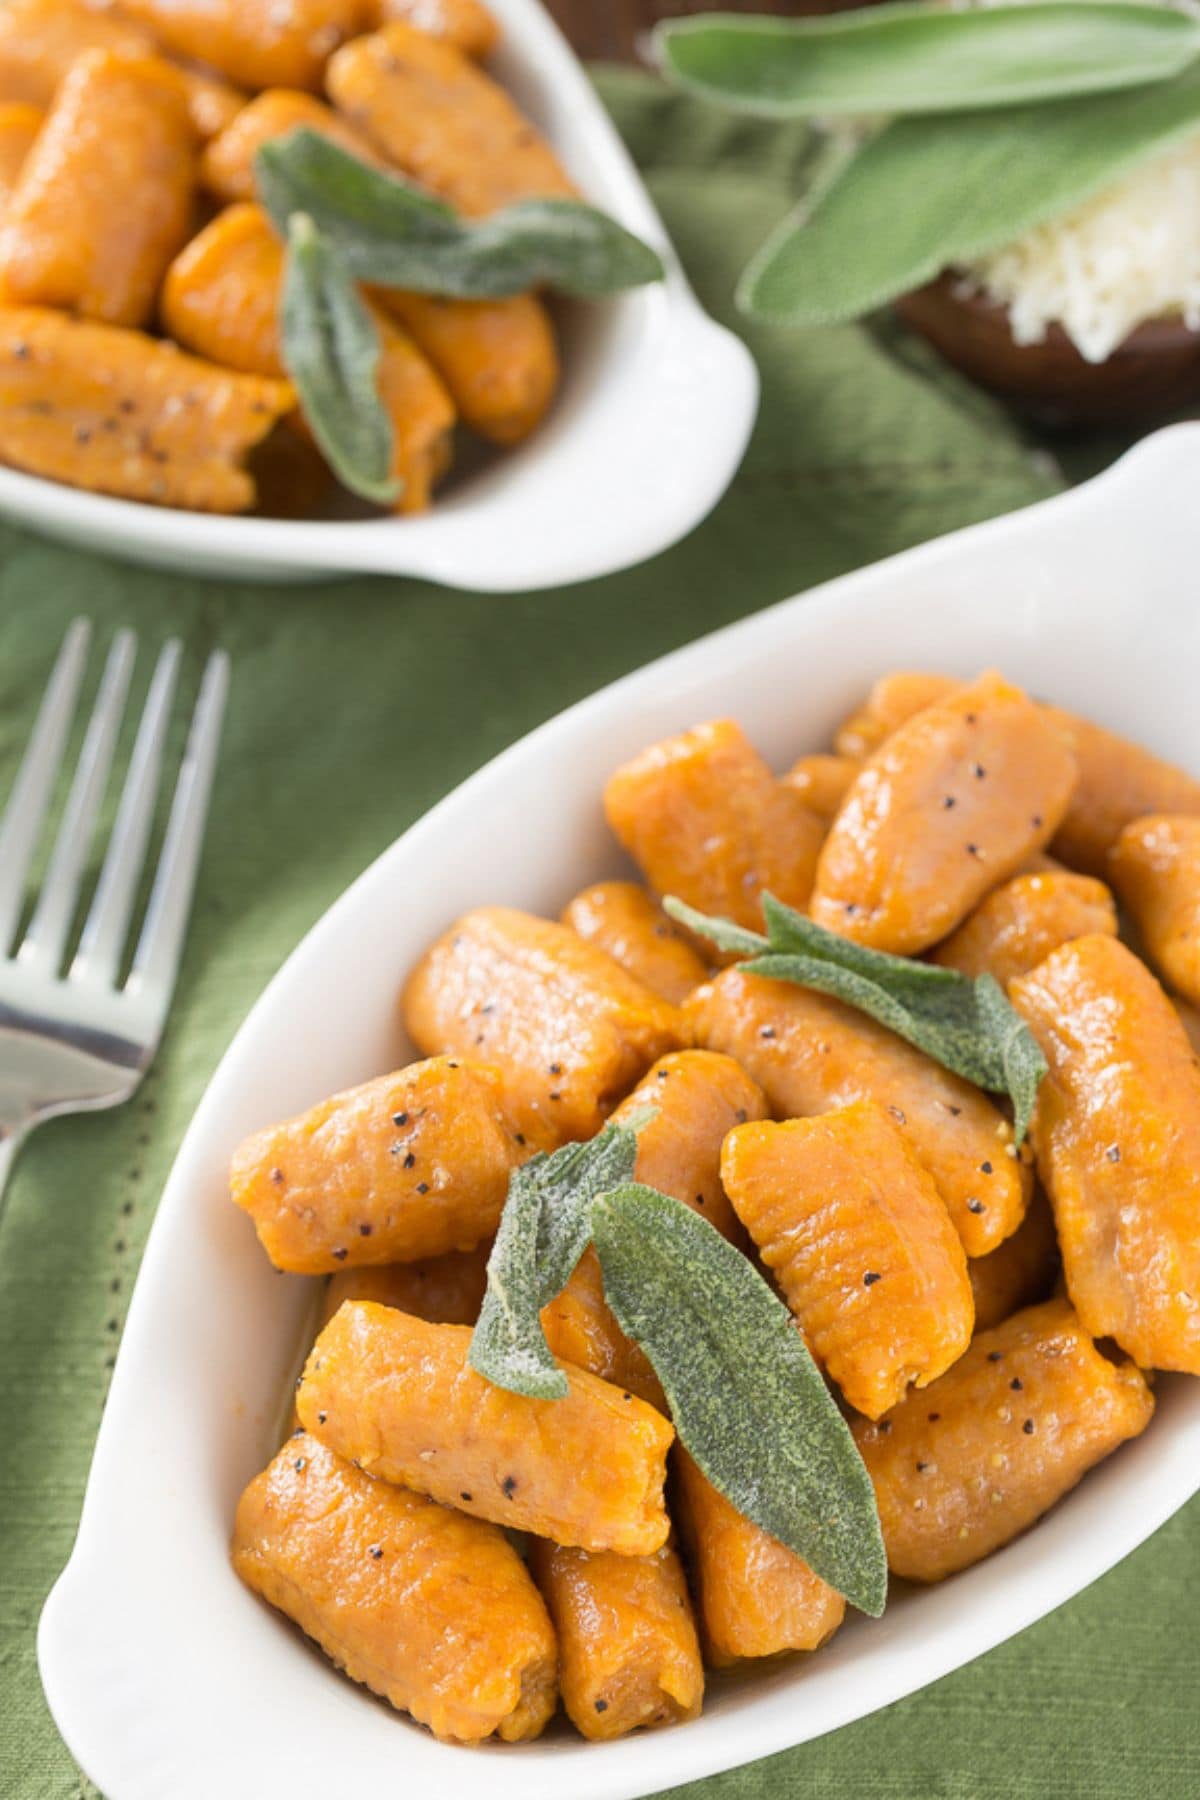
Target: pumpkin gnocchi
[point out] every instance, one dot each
(981, 1339)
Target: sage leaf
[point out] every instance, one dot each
(914, 58)
(386, 230)
(544, 1230)
(746, 1397)
(966, 1024)
(330, 348)
(925, 194)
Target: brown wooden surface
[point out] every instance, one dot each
(612, 28)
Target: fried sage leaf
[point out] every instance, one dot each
(906, 58)
(544, 1230)
(385, 229)
(965, 1024)
(331, 350)
(926, 194)
(745, 1395)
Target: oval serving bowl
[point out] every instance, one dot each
(165, 1676)
(654, 413)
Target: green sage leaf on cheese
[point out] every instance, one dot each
(746, 1397)
(914, 58)
(926, 194)
(544, 1230)
(330, 348)
(967, 1025)
(385, 229)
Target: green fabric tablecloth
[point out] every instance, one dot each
(357, 704)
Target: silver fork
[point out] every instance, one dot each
(79, 1039)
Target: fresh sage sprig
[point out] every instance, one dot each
(544, 1229)
(966, 1024)
(746, 1398)
(915, 58)
(745, 1395)
(386, 230)
(925, 194)
(330, 348)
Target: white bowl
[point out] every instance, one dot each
(166, 1677)
(654, 414)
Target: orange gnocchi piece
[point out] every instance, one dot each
(854, 1230)
(623, 919)
(117, 127)
(1019, 923)
(963, 1468)
(811, 1054)
(1156, 868)
(382, 1578)
(754, 1596)
(407, 1166)
(397, 1396)
(434, 114)
(704, 819)
(629, 1657)
(570, 1028)
(952, 803)
(1117, 1132)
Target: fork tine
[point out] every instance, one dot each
(157, 957)
(107, 925)
(47, 935)
(35, 779)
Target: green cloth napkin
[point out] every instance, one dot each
(355, 705)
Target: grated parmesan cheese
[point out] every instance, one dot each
(1128, 254)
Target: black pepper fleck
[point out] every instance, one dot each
(410, 1160)
(921, 1468)
(340, 1255)
(321, 1417)
(602, 1706)
(1113, 1153)
(976, 1206)
(277, 1176)
(422, 1188)
(464, 1495)
(995, 1356)
(948, 802)
(978, 771)
(934, 1417)
(510, 1486)
(1027, 1428)
(985, 1168)
(400, 1118)
(556, 1068)
(365, 1230)
(871, 1277)
(1016, 1384)
(300, 1464)
(376, 1551)
(766, 1031)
